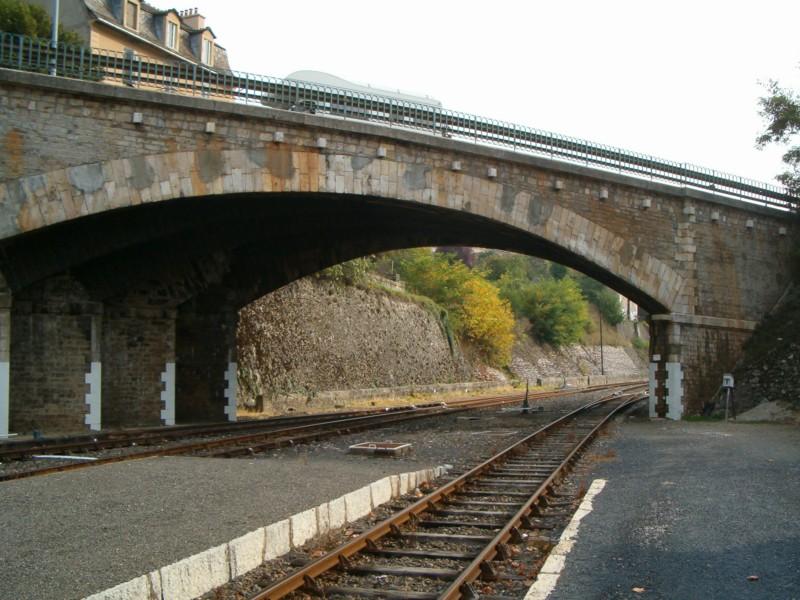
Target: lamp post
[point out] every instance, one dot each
(54, 37)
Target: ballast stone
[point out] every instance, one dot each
(194, 576)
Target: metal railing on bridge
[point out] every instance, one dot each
(92, 64)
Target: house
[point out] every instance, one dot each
(137, 29)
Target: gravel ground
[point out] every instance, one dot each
(516, 575)
(68, 535)
(690, 511)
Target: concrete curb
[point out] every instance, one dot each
(195, 575)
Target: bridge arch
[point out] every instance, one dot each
(522, 206)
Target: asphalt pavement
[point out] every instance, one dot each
(691, 511)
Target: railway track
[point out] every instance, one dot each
(438, 547)
(226, 440)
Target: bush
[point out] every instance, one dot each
(488, 320)
(474, 308)
(349, 273)
(440, 277)
(558, 312)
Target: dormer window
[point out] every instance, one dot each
(172, 35)
(208, 53)
(132, 14)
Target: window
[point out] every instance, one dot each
(131, 14)
(172, 34)
(208, 52)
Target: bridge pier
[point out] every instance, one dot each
(206, 383)
(55, 370)
(5, 355)
(138, 365)
(688, 356)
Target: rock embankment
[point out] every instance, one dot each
(770, 369)
(314, 338)
(315, 335)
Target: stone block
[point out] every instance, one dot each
(146, 587)
(381, 491)
(337, 513)
(304, 526)
(394, 480)
(196, 575)
(323, 519)
(358, 503)
(246, 552)
(278, 539)
(403, 483)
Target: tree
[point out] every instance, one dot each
(558, 312)
(20, 17)
(606, 300)
(488, 320)
(440, 277)
(781, 109)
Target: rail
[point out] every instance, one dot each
(91, 64)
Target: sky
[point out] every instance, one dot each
(679, 80)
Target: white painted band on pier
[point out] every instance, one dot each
(231, 390)
(168, 394)
(674, 391)
(4, 399)
(651, 389)
(94, 379)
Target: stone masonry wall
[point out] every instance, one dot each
(51, 350)
(314, 335)
(137, 343)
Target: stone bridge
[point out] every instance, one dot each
(135, 224)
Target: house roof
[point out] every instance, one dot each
(101, 10)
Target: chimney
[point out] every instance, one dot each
(193, 19)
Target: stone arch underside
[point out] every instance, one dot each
(480, 211)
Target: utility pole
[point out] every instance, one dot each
(54, 37)
(602, 361)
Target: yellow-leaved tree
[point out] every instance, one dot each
(488, 320)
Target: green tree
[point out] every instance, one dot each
(558, 312)
(606, 300)
(517, 291)
(781, 110)
(558, 271)
(20, 17)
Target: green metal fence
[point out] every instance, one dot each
(92, 64)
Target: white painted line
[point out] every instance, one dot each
(65, 457)
(551, 570)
